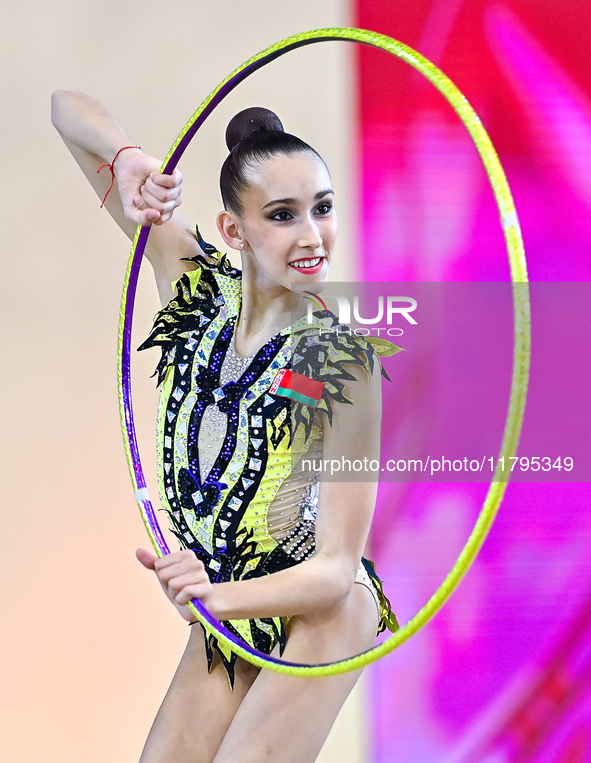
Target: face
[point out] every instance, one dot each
(288, 225)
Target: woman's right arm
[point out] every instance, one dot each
(141, 194)
(345, 512)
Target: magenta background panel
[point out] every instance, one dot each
(503, 674)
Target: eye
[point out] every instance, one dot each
(282, 215)
(325, 208)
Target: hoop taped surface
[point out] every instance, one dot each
(521, 353)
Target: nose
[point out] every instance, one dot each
(309, 237)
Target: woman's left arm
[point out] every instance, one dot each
(345, 511)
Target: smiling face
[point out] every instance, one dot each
(288, 223)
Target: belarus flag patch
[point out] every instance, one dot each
(298, 387)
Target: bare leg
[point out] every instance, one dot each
(287, 718)
(197, 709)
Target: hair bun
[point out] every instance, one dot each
(249, 121)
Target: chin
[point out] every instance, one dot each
(304, 283)
(311, 275)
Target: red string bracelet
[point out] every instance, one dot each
(110, 166)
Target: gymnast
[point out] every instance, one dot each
(250, 384)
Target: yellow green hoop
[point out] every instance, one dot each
(521, 354)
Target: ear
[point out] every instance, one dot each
(228, 226)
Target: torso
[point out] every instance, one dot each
(238, 467)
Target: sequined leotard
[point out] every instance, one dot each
(230, 467)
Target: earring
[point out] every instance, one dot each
(242, 246)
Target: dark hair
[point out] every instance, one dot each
(252, 136)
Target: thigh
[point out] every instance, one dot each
(197, 709)
(288, 718)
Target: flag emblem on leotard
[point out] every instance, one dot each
(298, 387)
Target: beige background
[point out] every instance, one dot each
(88, 643)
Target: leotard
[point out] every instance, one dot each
(232, 433)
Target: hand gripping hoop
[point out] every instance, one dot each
(521, 353)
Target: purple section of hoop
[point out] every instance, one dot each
(127, 326)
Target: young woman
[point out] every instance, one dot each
(253, 394)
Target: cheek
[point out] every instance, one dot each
(334, 228)
(272, 247)
(273, 261)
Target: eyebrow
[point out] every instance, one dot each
(318, 196)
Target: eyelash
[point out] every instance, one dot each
(275, 215)
(326, 204)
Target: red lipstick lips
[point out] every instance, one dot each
(308, 265)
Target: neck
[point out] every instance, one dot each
(266, 308)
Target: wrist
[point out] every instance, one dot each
(111, 168)
(122, 156)
(214, 601)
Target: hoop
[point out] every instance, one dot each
(521, 352)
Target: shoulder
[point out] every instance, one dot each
(206, 280)
(334, 354)
(198, 296)
(345, 367)
(175, 249)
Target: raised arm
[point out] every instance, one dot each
(345, 511)
(141, 194)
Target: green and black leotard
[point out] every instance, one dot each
(238, 438)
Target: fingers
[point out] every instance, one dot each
(154, 204)
(168, 181)
(153, 200)
(164, 200)
(145, 216)
(182, 576)
(140, 203)
(185, 558)
(147, 558)
(184, 588)
(144, 212)
(177, 565)
(164, 209)
(162, 188)
(156, 196)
